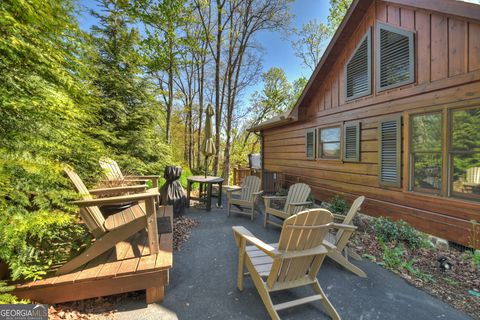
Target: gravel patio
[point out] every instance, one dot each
(203, 283)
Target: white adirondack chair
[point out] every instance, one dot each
(292, 262)
(244, 196)
(342, 237)
(295, 201)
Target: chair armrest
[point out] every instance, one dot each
(347, 227)
(116, 200)
(242, 232)
(257, 193)
(141, 187)
(338, 216)
(274, 197)
(143, 177)
(233, 189)
(299, 204)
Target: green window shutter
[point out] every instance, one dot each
(358, 70)
(395, 57)
(310, 136)
(351, 142)
(390, 151)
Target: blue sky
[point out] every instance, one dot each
(278, 51)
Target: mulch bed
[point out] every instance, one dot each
(451, 286)
(105, 307)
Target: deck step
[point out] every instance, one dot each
(297, 302)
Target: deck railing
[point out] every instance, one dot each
(271, 181)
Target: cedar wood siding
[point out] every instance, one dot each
(447, 68)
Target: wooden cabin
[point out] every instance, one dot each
(392, 112)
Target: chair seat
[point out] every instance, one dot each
(260, 260)
(277, 213)
(240, 202)
(123, 217)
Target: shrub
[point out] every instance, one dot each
(398, 231)
(6, 297)
(393, 258)
(476, 259)
(33, 242)
(338, 205)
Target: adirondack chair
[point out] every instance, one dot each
(248, 193)
(295, 201)
(292, 262)
(341, 238)
(112, 172)
(118, 227)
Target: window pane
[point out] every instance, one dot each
(330, 134)
(427, 132)
(466, 174)
(466, 129)
(427, 170)
(331, 150)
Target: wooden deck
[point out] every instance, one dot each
(127, 267)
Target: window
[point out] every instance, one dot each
(390, 138)
(426, 152)
(358, 70)
(351, 142)
(464, 153)
(310, 144)
(395, 57)
(446, 164)
(329, 143)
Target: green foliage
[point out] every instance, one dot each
(392, 257)
(338, 205)
(338, 9)
(65, 99)
(475, 256)
(6, 297)
(415, 272)
(399, 231)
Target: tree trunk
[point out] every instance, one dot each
(217, 87)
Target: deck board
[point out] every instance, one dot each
(127, 267)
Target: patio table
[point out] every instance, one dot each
(209, 181)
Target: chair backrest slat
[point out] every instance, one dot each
(251, 184)
(350, 215)
(91, 216)
(111, 169)
(298, 192)
(473, 175)
(299, 239)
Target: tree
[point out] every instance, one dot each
(312, 38)
(129, 111)
(337, 11)
(47, 117)
(310, 43)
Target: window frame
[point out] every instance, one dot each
(447, 163)
(397, 118)
(411, 153)
(357, 125)
(368, 36)
(320, 143)
(450, 152)
(411, 51)
(314, 131)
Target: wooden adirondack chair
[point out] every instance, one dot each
(118, 227)
(248, 193)
(340, 240)
(295, 201)
(293, 262)
(112, 172)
